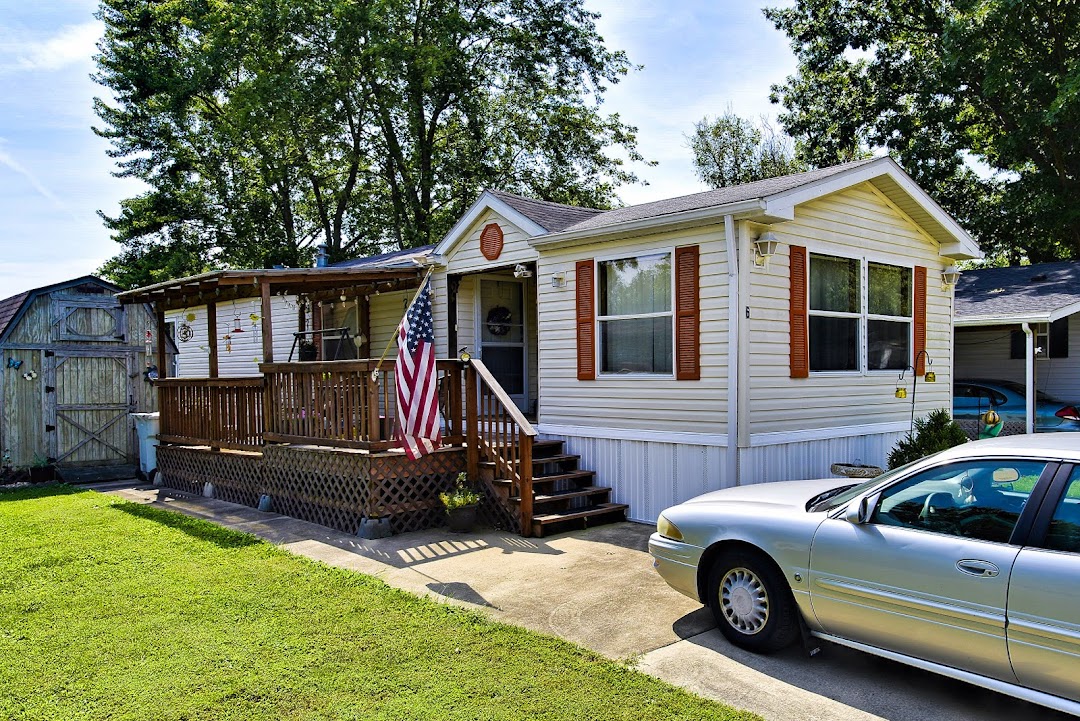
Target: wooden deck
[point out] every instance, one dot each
(318, 438)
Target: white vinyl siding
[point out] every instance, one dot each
(193, 357)
(658, 403)
(387, 310)
(467, 258)
(855, 223)
(984, 353)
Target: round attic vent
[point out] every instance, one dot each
(491, 241)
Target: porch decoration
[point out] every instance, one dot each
(929, 377)
(30, 375)
(498, 320)
(13, 363)
(185, 333)
(461, 504)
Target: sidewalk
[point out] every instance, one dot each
(597, 589)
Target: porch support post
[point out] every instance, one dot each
(267, 325)
(162, 360)
(472, 432)
(1029, 378)
(452, 284)
(211, 337)
(363, 326)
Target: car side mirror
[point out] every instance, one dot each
(860, 509)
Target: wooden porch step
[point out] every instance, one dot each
(579, 518)
(539, 498)
(567, 476)
(560, 458)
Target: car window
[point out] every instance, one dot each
(1064, 533)
(974, 499)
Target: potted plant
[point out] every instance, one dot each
(461, 504)
(41, 470)
(308, 351)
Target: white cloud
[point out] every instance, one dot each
(15, 166)
(71, 45)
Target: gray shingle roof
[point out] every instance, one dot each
(1017, 291)
(552, 217)
(712, 198)
(393, 259)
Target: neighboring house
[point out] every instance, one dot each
(675, 359)
(1021, 322)
(73, 368)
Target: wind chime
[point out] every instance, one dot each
(151, 373)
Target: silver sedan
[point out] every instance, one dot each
(966, 563)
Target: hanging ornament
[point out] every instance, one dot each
(189, 317)
(184, 333)
(29, 375)
(228, 342)
(237, 328)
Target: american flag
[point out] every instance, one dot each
(419, 420)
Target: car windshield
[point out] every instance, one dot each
(830, 502)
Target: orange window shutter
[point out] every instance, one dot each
(586, 320)
(800, 349)
(919, 344)
(687, 315)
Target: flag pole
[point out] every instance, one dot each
(393, 337)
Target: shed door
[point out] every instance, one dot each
(93, 401)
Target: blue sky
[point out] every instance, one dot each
(699, 55)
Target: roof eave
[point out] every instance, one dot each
(486, 201)
(755, 208)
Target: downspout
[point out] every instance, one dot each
(734, 305)
(1029, 378)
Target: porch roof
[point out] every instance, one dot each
(1039, 293)
(236, 284)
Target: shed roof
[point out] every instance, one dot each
(1039, 293)
(12, 307)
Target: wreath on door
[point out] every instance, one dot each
(498, 320)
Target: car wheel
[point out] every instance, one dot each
(752, 603)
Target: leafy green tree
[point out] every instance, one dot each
(730, 150)
(940, 82)
(263, 127)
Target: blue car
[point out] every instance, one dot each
(972, 398)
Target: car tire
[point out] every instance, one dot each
(751, 602)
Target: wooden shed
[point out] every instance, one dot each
(73, 369)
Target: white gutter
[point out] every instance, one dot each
(667, 221)
(734, 306)
(1029, 378)
(985, 320)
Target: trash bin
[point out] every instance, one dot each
(146, 427)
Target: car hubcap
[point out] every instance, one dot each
(744, 601)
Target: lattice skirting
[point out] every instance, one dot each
(329, 486)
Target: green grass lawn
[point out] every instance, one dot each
(113, 610)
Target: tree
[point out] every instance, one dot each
(263, 127)
(938, 83)
(730, 150)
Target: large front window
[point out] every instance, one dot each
(634, 314)
(858, 324)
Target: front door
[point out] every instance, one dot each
(503, 336)
(93, 400)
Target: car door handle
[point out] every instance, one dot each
(980, 569)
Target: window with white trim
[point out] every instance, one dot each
(860, 315)
(634, 314)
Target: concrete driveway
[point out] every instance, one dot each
(597, 588)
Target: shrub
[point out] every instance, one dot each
(934, 433)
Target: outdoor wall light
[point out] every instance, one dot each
(765, 246)
(558, 280)
(522, 271)
(949, 277)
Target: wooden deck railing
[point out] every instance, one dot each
(216, 412)
(498, 432)
(337, 403)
